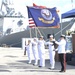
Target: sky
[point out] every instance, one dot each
(62, 5)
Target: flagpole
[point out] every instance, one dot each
(72, 3)
(61, 24)
(39, 32)
(36, 32)
(30, 33)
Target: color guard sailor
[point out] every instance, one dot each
(35, 50)
(51, 52)
(29, 51)
(41, 49)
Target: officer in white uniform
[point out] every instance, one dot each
(29, 51)
(41, 49)
(35, 50)
(62, 52)
(51, 52)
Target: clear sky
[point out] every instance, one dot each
(62, 5)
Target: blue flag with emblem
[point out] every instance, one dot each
(44, 17)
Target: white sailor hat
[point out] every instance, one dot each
(62, 36)
(51, 36)
(41, 36)
(35, 38)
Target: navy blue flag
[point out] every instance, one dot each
(44, 17)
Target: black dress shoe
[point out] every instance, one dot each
(39, 66)
(51, 68)
(34, 64)
(62, 71)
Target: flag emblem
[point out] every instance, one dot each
(46, 14)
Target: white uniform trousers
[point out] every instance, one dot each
(42, 59)
(29, 56)
(52, 59)
(35, 54)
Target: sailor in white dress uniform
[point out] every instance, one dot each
(41, 49)
(35, 50)
(29, 51)
(51, 52)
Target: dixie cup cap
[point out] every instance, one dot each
(63, 35)
(51, 36)
(41, 36)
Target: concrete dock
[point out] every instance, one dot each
(14, 62)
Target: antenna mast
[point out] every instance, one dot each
(72, 3)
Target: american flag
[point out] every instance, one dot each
(31, 23)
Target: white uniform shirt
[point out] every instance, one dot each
(61, 47)
(41, 46)
(34, 45)
(51, 46)
(29, 48)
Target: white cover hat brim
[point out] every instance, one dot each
(51, 36)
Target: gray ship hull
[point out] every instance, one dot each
(15, 40)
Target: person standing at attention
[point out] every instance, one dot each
(35, 50)
(29, 51)
(62, 52)
(41, 50)
(51, 52)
